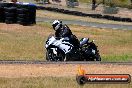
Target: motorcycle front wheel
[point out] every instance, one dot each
(51, 56)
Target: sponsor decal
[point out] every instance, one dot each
(83, 78)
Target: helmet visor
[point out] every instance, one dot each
(55, 26)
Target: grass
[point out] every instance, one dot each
(27, 42)
(85, 1)
(52, 82)
(54, 15)
(21, 43)
(115, 58)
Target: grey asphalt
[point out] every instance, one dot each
(91, 24)
(70, 62)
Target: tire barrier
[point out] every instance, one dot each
(77, 13)
(2, 13)
(21, 13)
(10, 15)
(26, 14)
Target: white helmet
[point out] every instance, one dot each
(56, 24)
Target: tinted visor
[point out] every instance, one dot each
(54, 25)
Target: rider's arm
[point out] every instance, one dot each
(57, 33)
(66, 31)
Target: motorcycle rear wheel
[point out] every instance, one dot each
(97, 57)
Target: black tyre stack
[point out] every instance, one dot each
(10, 15)
(2, 13)
(26, 14)
(7, 12)
(20, 13)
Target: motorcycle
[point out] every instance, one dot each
(61, 49)
(89, 50)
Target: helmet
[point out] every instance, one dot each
(56, 24)
(83, 41)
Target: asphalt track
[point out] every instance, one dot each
(68, 62)
(91, 24)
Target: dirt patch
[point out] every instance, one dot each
(59, 70)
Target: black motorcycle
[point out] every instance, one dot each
(61, 49)
(89, 51)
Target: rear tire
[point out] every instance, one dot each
(97, 57)
(10, 9)
(9, 22)
(7, 14)
(22, 11)
(24, 16)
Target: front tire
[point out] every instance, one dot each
(50, 56)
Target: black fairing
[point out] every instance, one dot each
(92, 46)
(87, 53)
(74, 54)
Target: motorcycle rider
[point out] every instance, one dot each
(62, 30)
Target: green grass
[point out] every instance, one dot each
(27, 43)
(52, 82)
(115, 58)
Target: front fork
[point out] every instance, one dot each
(54, 51)
(56, 54)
